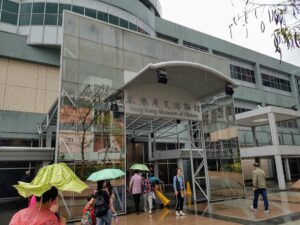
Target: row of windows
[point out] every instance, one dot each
(241, 73)
(238, 110)
(195, 46)
(275, 82)
(288, 124)
(51, 14)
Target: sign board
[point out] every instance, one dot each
(160, 100)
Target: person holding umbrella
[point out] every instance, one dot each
(45, 187)
(135, 186)
(40, 214)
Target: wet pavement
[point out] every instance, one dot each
(284, 209)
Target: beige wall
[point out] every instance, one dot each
(27, 87)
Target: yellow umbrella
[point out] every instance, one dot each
(57, 175)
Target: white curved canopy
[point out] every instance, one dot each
(199, 80)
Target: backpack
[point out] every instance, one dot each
(87, 218)
(102, 204)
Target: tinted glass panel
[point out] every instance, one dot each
(123, 23)
(132, 26)
(113, 19)
(10, 6)
(51, 8)
(38, 8)
(26, 8)
(37, 19)
(63, 7)
(103, 16)
(78, 9)
(60, 20)
(51, 19)
(24, 20)
(91, 13)
(9, 17)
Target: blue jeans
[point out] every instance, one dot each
(263, 193)
(105, 220)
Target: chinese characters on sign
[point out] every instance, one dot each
(159, 106)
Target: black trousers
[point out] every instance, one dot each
(179, 202)
(136, 199)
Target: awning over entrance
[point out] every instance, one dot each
(259, 117)
(199, 80)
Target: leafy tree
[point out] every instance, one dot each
(283, 14)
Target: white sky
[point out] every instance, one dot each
(214, 16)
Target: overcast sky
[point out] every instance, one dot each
(214, 16)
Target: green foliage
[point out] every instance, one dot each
(284, 15)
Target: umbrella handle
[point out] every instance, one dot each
(65, 204)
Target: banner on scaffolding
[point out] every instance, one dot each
(162, 101)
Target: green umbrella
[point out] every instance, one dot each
(57, 175)
(106, 174)
(141, 167)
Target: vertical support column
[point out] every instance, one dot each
(48, 139)
(180, 164)
(287, 169)
(156, 171)
(277, 155)
(193, 172)
(254, 136)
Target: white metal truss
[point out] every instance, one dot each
(197, 145)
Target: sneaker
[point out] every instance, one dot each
(182, 213)
(252, 208)
(150, 211)
(145, 209)
(267, 212)
(177, 213)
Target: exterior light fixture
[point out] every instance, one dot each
(229, 89)
(162, 76)
(260, 120)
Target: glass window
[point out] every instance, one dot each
(50, 19)
(195, 46)
(10, 6)
(78, 9)
(275, 82)
(37, 19)
(113, 19)
(51, 8)
(91, 13)
(24, 20)
(124, 23)
(63, 7)
(38, 8)
(10, 18)
(102, 16)
(25, 8)
(132, 26)
(241, 73)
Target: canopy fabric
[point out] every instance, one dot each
(106, 174)
(140, 167)
(199, 80)
(57, 175)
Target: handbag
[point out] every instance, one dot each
(182, 193)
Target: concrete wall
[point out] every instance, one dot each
(27, 87)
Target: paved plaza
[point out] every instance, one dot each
(284, 209)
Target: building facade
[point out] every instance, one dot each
(30, 61)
